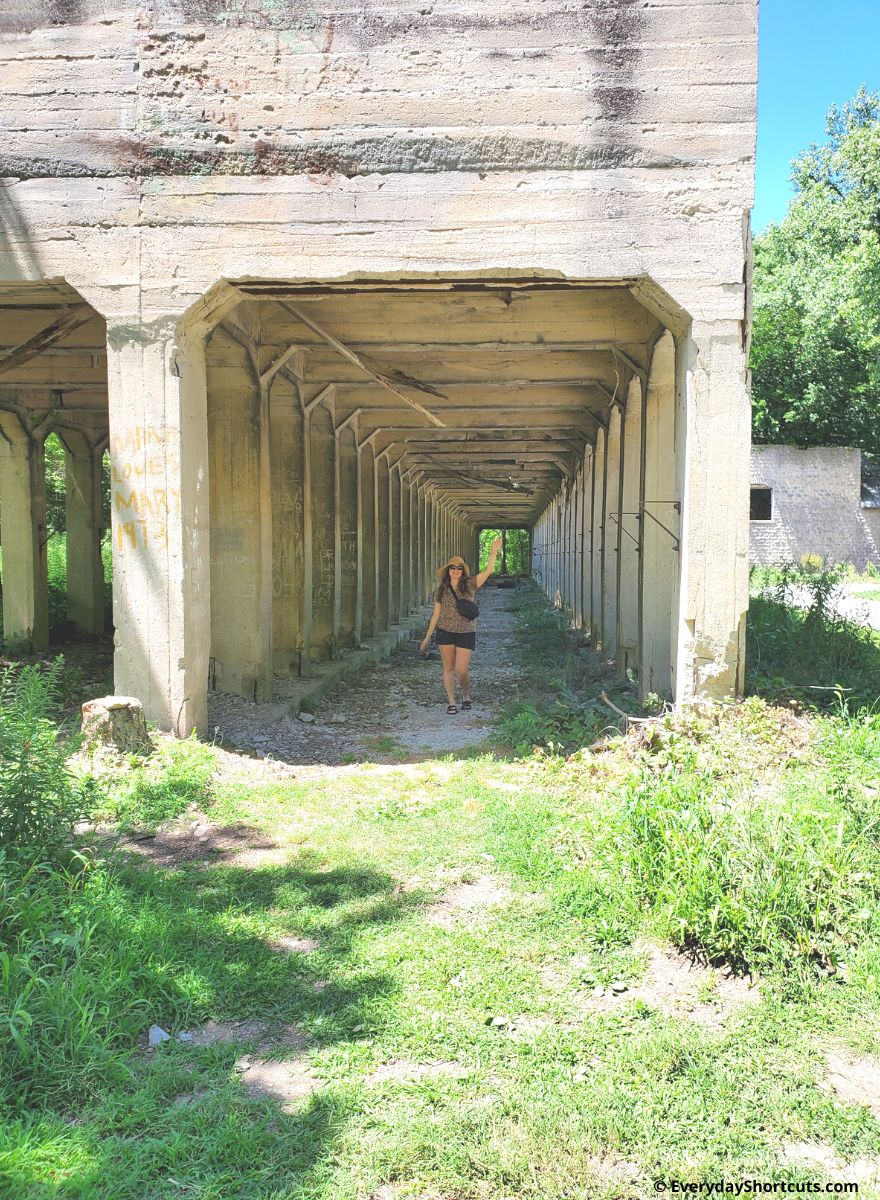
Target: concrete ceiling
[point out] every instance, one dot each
(488, 390)
(521, 375)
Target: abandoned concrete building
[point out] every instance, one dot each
(822, 501)
(339, 286)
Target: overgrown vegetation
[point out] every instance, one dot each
(746, 834)
(801, 647)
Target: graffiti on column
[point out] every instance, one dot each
(142, 503)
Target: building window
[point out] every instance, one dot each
(761, 504)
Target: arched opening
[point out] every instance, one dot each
(54, 474)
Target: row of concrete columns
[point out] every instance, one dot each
(24, 533)
(317, 540)
(608, 546)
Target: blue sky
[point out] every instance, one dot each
(812, 54)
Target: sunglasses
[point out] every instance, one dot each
(456, 568)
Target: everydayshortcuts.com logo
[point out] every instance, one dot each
(751, 1187)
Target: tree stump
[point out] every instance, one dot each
(116, 721)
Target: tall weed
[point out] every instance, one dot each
(39, 800)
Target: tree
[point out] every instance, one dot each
(816, 332)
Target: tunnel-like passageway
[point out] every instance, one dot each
(358, 434)
(343, 440)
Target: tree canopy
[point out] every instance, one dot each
(816, 333)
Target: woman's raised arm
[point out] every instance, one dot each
(480, 579)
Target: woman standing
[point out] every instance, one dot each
(456, 635)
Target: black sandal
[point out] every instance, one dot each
(451, 709)
(466, 705)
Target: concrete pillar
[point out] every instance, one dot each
(394, 536)
(406, 539)
(598, 540)
(23, 527)
(347, 534)
(418, 542)
(240, 522)
(83, 521)
(587, 541)
(322, 443)
(660, 524)
(611, 534)
(367, 624)
(628, 631)
(287, 425)
(160, 522)
(712, 450)
(383, 544)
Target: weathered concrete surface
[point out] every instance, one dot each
(816, 507)
(191, 169)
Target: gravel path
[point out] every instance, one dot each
(390, 711)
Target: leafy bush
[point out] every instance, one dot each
(560, 727)
(39, 800)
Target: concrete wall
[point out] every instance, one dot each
(152, 151)
(816, 507)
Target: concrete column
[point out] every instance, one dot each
(598, 539)
(23, 526)
(587, 542)
(322, 440)
(240, 521)
(394, 535)
(712, 450)
(286, 423)
(347, 527)
(611, 534)
(83, 520)
(628, 631)
(418, 521)
(660, 525)
(367, 624)
(405, 547)
(160, 522)
(383, 544)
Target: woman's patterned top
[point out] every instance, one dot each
(449, 618)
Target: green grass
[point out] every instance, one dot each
(750, 833)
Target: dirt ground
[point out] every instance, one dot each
(390, 711)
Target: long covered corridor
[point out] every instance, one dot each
(337, 443)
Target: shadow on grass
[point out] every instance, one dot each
(814, 657)
(94, 1109)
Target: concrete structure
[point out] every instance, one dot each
(825, 501)
(342, 285)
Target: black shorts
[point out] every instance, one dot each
(465, 641)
